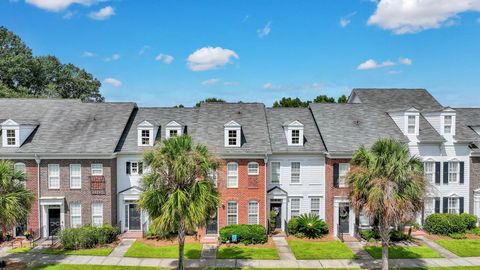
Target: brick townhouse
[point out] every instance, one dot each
(66, 148)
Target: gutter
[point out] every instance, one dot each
(60, 155)
(38, 160)
(340, 155)
(265, 193)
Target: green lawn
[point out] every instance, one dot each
(305, 250)
(103, 251)
(20, 250)
(463, 248)
(141, 250)
(85, 266)
(245, 252)
(403, 252)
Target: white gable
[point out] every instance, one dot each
(173, 124)
(145, 123)
(295, 123)
(9, 122)
(232, 124)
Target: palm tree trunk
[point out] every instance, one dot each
(384, 256)
(181, 245)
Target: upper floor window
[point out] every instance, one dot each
(134, 168)
(232, 134)
(20, 167)
(343, 169)
(294, 132)
(275, 172)
(172, 133)
(232, 175)
(11, 135)
(412, 124)
(447, 124)
(295, 136)
(453, 171)
(429, 168)
(213, 176)
(97, 169)
(295, 172)
(232, 137)
(75, 176)
(173, 129)
(252, 168)
(53, 176)
(145, 137)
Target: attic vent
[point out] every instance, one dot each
(356, 123)
(239, 112)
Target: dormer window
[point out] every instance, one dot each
(145, 134)
(145, 137)
(294, 133)
(14, 133)
(232, 134)
(173, 129)
(411, 124)
(295, 136)
(11, 136)
(447, 124)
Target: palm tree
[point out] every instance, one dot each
(179, 194)
(387, 186)
(15, 200)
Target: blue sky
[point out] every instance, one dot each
(164, 53)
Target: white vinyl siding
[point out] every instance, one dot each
(75, 215)
(294, 207)
(232, 175)
(343, 169)
(97, 214)
(53, 176)
(252, 168)
(453, 171)
(275, 172)
(253, 212)
(429, 168)
(295, 172)
(315, 205)
(97, 169)
(232, 213)
(75, 176)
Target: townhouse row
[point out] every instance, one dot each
(84, 160)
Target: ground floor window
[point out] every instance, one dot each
(429, 206)
(453, 206)
(253, 212)
(315, 205)
(97, 214)
(75, 215)
(232, 213)
(294, 207)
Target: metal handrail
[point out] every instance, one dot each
(339, 233)
(285, 223)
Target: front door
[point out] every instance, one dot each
(212, 225)
(344, 217)
(134, 221)
(53, 221)
(277, 207)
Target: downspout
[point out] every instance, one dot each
(38, 160)
(267, 215)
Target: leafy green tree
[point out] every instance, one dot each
(179, 194)
(15, 200)
(289, 103)
(324, 99)
(25, 75)
(387, 185)
(179, 106)
(342, 99)
(210, 100)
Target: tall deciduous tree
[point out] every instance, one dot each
(15, 200)
(297, 102)
(210, 100)
(25, 75)
(388, 186)
(179, 193)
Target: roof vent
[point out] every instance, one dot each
(356, 123)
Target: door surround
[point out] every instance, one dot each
(351, 218)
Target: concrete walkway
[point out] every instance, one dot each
(357, 248)
(444, 252)
(121, 249)
(283, 248)
(209, 251)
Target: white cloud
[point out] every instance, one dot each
(102, 14)
(113, 82)
(372, 64)
(412, 16)
(245, 18)
(68, 15)
(144, 49)
(59, 5)
(264, 31)
(211, 81)
(88, 54)
(271, 86)
(405, 61)
(231, 83)
(114, 57)
(210, 58)
(345, 20)
(165, 58)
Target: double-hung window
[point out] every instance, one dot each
(252, 212)
(145, 137)
(411, 124)
(252, 168)
(53, 176)
(97, 169)
(429, 168)
(97, 214)
(232, 213)
(453, 171)
(429, 206)
(75, 176)
(294, 207)
(275, 172)
(173, 133)
(11, 135)
(315, 205)
(75, 215)
(295, 136)
(232, 137)
(20, 167)
(453, 206)
(232, 175)
(343, 169)
(447, 124)
(295, 172)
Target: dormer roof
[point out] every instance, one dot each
(147, 123)
(174, 123)
(19, 122)
(232, 124)
(295, 123)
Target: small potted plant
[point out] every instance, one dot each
(28, 235)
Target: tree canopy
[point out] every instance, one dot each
(297, 102)
(24, 75)
(210, 100)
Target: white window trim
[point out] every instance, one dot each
(457, 209)
(168, 129)
(257, 170)
(131, 167)
(295, 125)
(299, 206)
(91, 169)
(271, 171)
(432, 172)
(457, 172)
(50, 176)
(236, 213)
(72, 216)
(319, 204)
(299, 136)
(236, 174)
(238, 137)
(415, 125)
(16, 129)
(150, 137)
(71, 186)
(24, 170)
(299, 173)
(257, 212)
(93, 212)
(344, 184)
(442, 125)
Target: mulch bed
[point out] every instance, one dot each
(268, 244)
(16, 266)
(326, 238)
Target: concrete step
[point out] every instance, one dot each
(209, 239)
(132, 235)
(209, 251)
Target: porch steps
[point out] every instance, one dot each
(132, 235)
(209, 251)
(209, 239)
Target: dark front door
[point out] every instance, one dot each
(277, 207)
(212, 225)
(134, 220)
(344, 217)
(53, 221)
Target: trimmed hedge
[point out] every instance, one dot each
(469, 220)
(246, 234)
(445, 224)
(87, 237)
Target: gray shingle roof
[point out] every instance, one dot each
(278, 117)
(345, 127)
(466, 118)
(67, 126)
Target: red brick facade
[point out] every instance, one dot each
(331, 191)
(250, 188)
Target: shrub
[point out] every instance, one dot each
(397, 236)
(246, 234)
(107, 234)
(311, 226)
(69, 238)
(87, 237)
(469, 220)
(457, 236)
(153, 233)
(369, 235)
(475, 231)
(445, 224)
(293, 226)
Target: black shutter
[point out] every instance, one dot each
(336, 169)
(461, 201)
(462, 172)
(437, 172)
(128, 167)
(445, 173)
(140, 167)
(437, 205)
(445, 205)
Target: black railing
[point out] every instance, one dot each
(97, 185)
(285, 225)
(339, 233)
